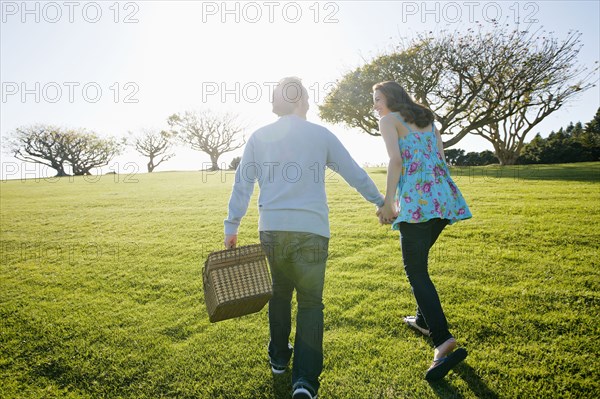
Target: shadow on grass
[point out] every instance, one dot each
(474, 381)
(469, 375)
(445, 390)
(583, 172)
(282, 386)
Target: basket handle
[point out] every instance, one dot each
(204, 274)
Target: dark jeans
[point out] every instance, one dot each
(297, 261)
(416, 239)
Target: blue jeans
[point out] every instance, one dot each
(297, 261)
(416, 239)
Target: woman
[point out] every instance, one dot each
(421, 199)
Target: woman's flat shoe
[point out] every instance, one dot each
(411, 321)
(441, 367)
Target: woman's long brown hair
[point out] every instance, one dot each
(398, 100)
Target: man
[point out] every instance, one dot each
(288, 159)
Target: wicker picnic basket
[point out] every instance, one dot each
(236, 282)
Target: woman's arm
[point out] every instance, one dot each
(388, 131)
(440, 144)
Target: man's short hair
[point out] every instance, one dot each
(287, 95)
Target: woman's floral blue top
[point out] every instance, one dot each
(426, 190)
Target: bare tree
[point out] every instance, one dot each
(154, 144)
(501, 82)
(438, 70)
(86, 150)
(58, 148)
(537, 83)
(39, 144)
(212, 134)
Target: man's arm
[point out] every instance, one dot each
(342, 162)
(243, 187)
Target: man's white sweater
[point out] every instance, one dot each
(288, 159)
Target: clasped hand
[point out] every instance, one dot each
(386, 214)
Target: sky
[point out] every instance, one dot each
(119, 67)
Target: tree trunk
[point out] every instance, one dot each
(507, 157)
(60, 169)
(214, 158)
(151, 164)
(82, 172)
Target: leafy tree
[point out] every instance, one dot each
(590, 136)
(454, 155)
(562, 148)
(575, 130)
(534, 151)
(154, 144)
(235, 162)
(457, 157)
(212, 134)
(593, 126)
(487, 157)
(574, 143)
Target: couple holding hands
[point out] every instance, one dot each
(420, 200)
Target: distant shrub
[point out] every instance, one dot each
(234, 163)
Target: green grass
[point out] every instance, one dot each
(101, 293)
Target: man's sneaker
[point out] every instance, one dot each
(303, 393)
(412, 322)
(278, 369)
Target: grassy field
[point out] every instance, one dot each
(101, 293)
